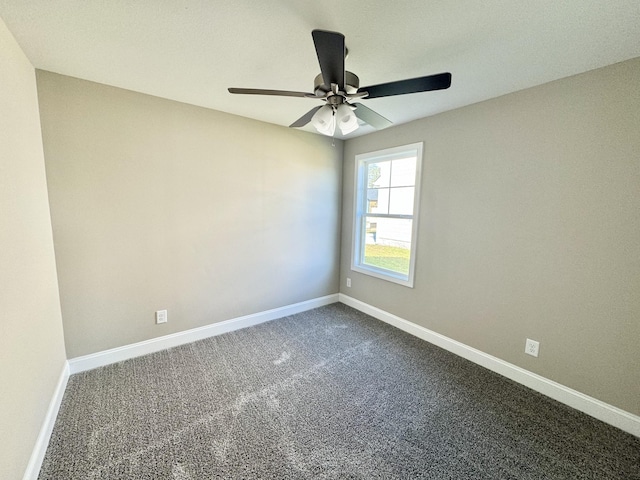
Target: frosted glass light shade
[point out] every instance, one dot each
(324, 120)
(347, 120)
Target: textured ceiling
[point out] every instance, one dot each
(192, 50)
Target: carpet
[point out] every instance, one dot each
(331, 394)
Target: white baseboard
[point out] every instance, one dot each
(591, 406)
(42, 442)
(107, 357)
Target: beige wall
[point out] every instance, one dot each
(161, 205)
(32, 354)
(529, 227)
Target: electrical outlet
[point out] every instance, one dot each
(531, 347)
(349, 282)
(161, 316)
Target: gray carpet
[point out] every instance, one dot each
(330, 393)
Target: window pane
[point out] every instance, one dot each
(401, 201)
(403, 172)
(388, 244)
(378, 174)
(378, 200)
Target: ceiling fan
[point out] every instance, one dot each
(338, 88)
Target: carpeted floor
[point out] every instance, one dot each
(330, 393)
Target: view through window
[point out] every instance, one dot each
(385, 221)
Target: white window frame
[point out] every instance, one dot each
(360, 212)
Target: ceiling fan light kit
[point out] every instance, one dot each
(328, 117)
(338, 88)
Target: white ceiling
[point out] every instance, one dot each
(192, 50)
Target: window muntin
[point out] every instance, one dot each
(385, 224)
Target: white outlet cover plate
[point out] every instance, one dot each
(161, 316)
(532, 347)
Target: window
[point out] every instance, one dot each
(386, 213)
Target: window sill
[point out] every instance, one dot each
(383, 274)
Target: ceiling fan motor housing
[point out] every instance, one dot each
(351, 80)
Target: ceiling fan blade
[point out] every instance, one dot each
(330, 48)
(306, 118)
(370, 117)
(441, 81)
(280, 93)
